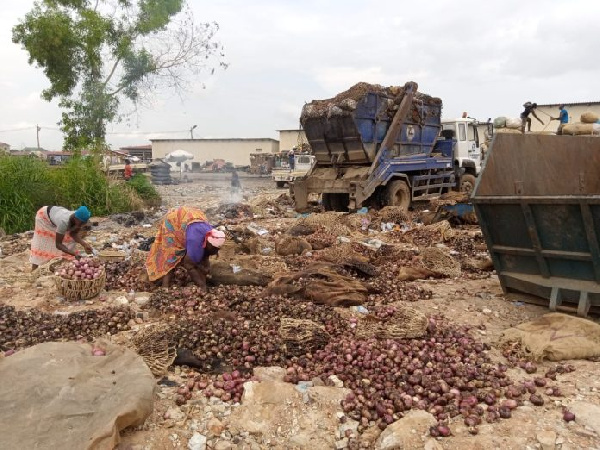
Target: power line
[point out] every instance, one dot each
(18, 129)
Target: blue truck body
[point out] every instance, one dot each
(360, 152)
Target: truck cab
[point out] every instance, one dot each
(283, 174)
(466, 146)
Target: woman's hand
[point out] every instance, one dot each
(88, 248)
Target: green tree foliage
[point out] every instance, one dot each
(98, 54)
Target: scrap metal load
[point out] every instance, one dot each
(354, 122)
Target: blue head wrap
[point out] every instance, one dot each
(83, 214)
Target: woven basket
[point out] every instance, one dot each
(46, 269)
(80, 289)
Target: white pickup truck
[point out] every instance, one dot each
(283, 174)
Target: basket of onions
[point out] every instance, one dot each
(80, 279)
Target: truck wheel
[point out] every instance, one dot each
(335, 202)
(280, 184)
(398, 194)
(467, 183)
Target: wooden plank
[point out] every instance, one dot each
(584, 304)
(555, 298)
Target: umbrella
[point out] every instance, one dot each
(179, 156)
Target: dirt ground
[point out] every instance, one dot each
(476, 301)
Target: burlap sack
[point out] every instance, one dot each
(58, 396)
(589, 117)
(292, 245)
(555, 337)
(499, 122)
(321, 284)
(579, 129)
(513, 123)
(223, 273)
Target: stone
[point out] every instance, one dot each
(336, 381)
(547, 439)
(142, 300)
(406, 432)
(270, 373)
(197, 442)
(432, 444)
(215, 427)
(586, 414)
(224, 445)
(174, 414)
(341, 444)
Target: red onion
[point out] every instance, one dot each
(568, 416)
(536, 400)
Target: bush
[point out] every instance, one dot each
(24, 188)
(145, 189)
(27, 184)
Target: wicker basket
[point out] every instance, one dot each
(46, 269)
(80, 289)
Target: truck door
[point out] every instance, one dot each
(474, 151)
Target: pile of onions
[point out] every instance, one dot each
(82, 269)
(228, 387)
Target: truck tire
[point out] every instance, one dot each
(398, 194)
(335, 202)
(467, 183)
(280, 184)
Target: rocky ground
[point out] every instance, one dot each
(273, 413)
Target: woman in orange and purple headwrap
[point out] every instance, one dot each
(184, 238)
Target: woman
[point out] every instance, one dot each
(128, 172)
(57, 230)
(184, 238)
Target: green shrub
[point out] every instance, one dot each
(24, 188)
(27, 184)
(145, 189)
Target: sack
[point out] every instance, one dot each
(499, 122)
(589, 117)
(223, 273)
(555, 337)
(321, 284)
(292, 245)
(513, 123)
(578, 129)
(57, 395)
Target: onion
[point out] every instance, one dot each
(505, 412)
(568, 416)
(536, 400)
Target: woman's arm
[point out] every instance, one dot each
(62, 247)
(196, 272)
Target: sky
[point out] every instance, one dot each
(486, 58)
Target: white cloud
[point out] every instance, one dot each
(483, 57)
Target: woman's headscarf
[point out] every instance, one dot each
(215, 237)
(83, 214)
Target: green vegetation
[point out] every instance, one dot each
(101, 54)
(27, 184)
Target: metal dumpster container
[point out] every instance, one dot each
(538, 203)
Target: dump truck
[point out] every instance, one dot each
(378, 146)
(538, 205)
(284, 174)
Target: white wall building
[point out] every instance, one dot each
(575, 110)
(236, 151)
(288, 139)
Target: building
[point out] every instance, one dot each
(4, 147)
(144, 152)
(288, 139)
(234, 150)
(548, 110)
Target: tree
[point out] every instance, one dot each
(100, 54)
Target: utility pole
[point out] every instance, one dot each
(192, 131)
(37, 127)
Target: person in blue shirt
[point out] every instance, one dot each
(563, 116)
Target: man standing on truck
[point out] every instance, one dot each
(291, 160)
(563, 117)
(525, 120)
